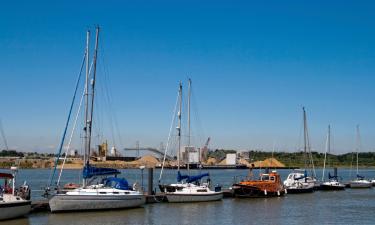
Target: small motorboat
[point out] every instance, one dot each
(193, 190)
(13, 202)
(298, 182)
(268, 185)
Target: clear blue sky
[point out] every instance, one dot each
(253, 66)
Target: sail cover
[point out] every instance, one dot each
(118, 183)
(332, 177)
(190, 179)
(91, 171)
(360, 177)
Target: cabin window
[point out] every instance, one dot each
(265, 178)
(202, 190)
(272, 178)
(116, 193)
(127, 192)
(102, 192)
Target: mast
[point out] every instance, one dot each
(85, 157)
(304, 138)
(189, 95)
(328, 146)
(188, 148)
(93, 92)
(3, 135)
(358, 145)
(179, 126)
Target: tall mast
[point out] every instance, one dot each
(189, 95)
(85, 157)
(304, 137)
(188, 148)
(179, 126)
(358, 144)
(328, 146)
(93, 91)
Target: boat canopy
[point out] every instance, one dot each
(190, 179)
(6, 175)
(118, 183)
(91, 171)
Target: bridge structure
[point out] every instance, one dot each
(153, 150)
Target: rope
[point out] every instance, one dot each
(67, 122)
(169, 137)
(70, 140)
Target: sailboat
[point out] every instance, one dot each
(333, 183)
(13, 203)
(298, 181)
(359, 181)
(101, 188)
(188, 188)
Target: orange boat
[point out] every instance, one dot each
(269, 185)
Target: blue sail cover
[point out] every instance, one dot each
(91, 171)
(360, 177)
(190, 179)
(332, 177)
(181, 177)
(118, 183)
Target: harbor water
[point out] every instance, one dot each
(352, 206)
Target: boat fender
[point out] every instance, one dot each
(286, 192)
(278, 193)
(265, 192)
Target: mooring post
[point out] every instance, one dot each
(150, 181)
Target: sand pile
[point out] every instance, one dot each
(211, 161)
(147, 160)
(270, 162)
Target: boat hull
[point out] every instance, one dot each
(243, 191)
(194, 197)
(14, 210)
(360, 185)
(326, 187)
(63, 202)
(300, 190)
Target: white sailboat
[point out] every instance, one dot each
(101, 189)
(333, 183)
(13, 203)
(359, 181)
(188, 188)
(298, 181)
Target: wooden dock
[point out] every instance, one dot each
(39, 206)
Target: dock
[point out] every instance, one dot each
(39, 206)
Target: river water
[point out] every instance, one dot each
(352, 206)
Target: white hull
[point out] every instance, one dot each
(360, 184)
(94, 202)
(14, 210)
(194, 197)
